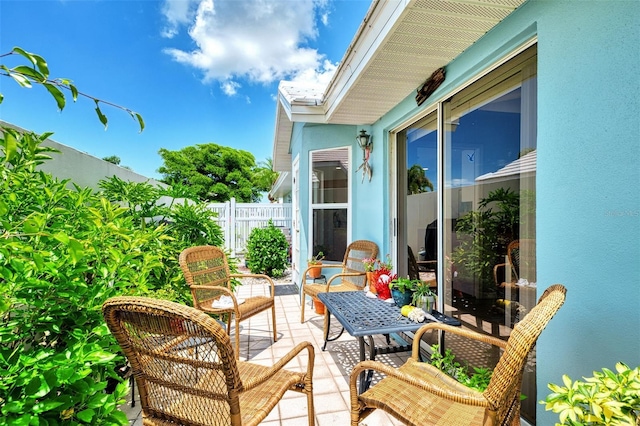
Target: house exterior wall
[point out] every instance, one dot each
(588, 208)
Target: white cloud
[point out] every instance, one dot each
(177, 13)
(261, 41)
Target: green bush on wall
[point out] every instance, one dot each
(267, 249)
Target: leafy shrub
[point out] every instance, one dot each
(267, 249)
(607, 398)
(478, 380)
(63, 252)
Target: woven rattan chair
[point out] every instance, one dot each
(186, 371)
(419, 394)
(206, 270)
(521, 261)
(351, 277)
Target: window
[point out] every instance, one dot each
(478, 153)
(329, 202)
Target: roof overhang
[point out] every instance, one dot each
(397, 47)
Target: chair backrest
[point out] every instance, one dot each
(356, 252)
(503, 392)
(413, 269)
(181, 358)
(205, 265)
(522, 258)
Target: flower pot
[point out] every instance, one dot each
(315, 271)
(401, 298)
(372, 285)
(426, 303)
(318, 306)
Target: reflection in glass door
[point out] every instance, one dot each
(489, 204)
(467, 212)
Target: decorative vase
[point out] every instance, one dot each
(372, 285)
(318, 306)
(426, 303)
(315, 271)
(401, 298)
(383, 290)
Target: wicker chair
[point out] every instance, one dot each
(352, 275)
(206, 270)
(186, 372)
(419, 394)
(521, 257)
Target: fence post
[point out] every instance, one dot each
(232, 226)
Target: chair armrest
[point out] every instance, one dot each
(415, 354)
(215, 291)
(261, 276)
(471, 397)
(346, 274)
(255, 381)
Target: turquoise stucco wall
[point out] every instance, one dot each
(588, 177)
(367, 218)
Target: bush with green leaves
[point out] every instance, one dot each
(267, 250)
(63, 252)
(478, 380)
(607, 398)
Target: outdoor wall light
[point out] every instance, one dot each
(366, 143)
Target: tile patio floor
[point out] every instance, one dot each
(330, 376)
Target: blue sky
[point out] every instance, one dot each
(198, 71)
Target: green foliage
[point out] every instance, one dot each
(63, 252)
(267, 249)
(478, 380)
(485, 234)
(215, 173)
(37, 72)
(114, 159)
(403, 284)
(607, 398)
(264, 176)
(417, 182)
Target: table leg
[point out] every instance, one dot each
(367, 375)
(327, 327)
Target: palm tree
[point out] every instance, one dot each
(417, 182)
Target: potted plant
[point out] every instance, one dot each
(315, 265)
(402, 290)
(423, 297)
(369, 264)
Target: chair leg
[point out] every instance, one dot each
(273, 317)
(310, 409)
(304, 297)
(238, 339)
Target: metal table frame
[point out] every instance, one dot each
(364, 317)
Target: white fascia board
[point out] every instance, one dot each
(378, 25)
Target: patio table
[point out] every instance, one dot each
(364, 317)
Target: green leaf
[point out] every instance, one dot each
(140, 120)
(74, 91)
(76, 250)
(41, 64)
(20, 79)
(101, 116)
(10, 146)
(29, 72)
(86, 415)
(1, 98)
(57, 94)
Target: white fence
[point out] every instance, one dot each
(238, 219)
